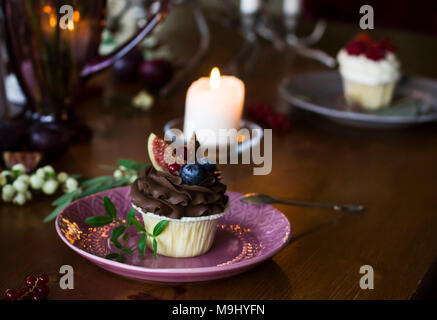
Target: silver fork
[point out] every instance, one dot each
(263, 198)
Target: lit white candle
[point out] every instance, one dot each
(249, 6)
(213, 103)
(291, 7)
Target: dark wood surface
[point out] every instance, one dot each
(392, 172)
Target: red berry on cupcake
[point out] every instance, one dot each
(375, 53)
(387, 46)
(355, 48)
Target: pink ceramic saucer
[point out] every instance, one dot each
(247, 235)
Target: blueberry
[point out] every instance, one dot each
(207, 165)
(191, 174)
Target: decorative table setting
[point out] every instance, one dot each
(113, 181)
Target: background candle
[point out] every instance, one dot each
(213, 103)
(249, 6)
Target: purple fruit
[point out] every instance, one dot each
(156, 73)
(126, 68)
(49, 137)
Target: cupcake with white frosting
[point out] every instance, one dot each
(370, 71)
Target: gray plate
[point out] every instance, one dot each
(414, 102)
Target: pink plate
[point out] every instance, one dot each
(247, 235)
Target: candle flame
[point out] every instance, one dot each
(52, 20)
(214, 80)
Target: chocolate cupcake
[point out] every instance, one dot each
(192, 209)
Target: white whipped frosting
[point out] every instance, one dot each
(366, 71)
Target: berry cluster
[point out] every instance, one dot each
(16, 185)
(35, 288)
(123, 172)
(364, 44)
(265, 115)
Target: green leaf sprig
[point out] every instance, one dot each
(99, 184)
(122, 231)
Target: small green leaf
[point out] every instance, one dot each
(128, 164)
(93, 189)
(17, 173)
(116, 243)
(130, 217)
(126, 250)
(119, 182)
(155, 248)
(112, 256)
(55, 212)
(49, 175)
(141, 167)
(117, 232)
(109, 207)
(98, 221)
(160, 226)
(138, 225)
(142, 244)
(120, 258)
(68, 197)
(132, 165)
(98, 180)
(125, 236)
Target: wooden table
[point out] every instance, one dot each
(392, 172)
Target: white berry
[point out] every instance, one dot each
(62, 177)
(20, 185)
(19, 199)
(118, 174)
(24, 178)
(8, 193)
(49, 171)
(36, 182)
(28, 195)
(71, 184)
(3, 180)
(133, 178)
(19, 167)
(49, 187)
(40, 173)
(7, 173)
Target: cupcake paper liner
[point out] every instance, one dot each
(185, 237)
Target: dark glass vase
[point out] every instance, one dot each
(53, 45)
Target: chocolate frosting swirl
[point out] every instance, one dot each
(165, 194)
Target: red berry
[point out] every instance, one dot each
(43, 278)
(23, 294)
(42, 288)
(30, 281)
(37, 296)
(386, 45)
(375, 53)
(355, 48)
(11, 294)
(175, 167)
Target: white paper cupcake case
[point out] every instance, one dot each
(185, 237)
